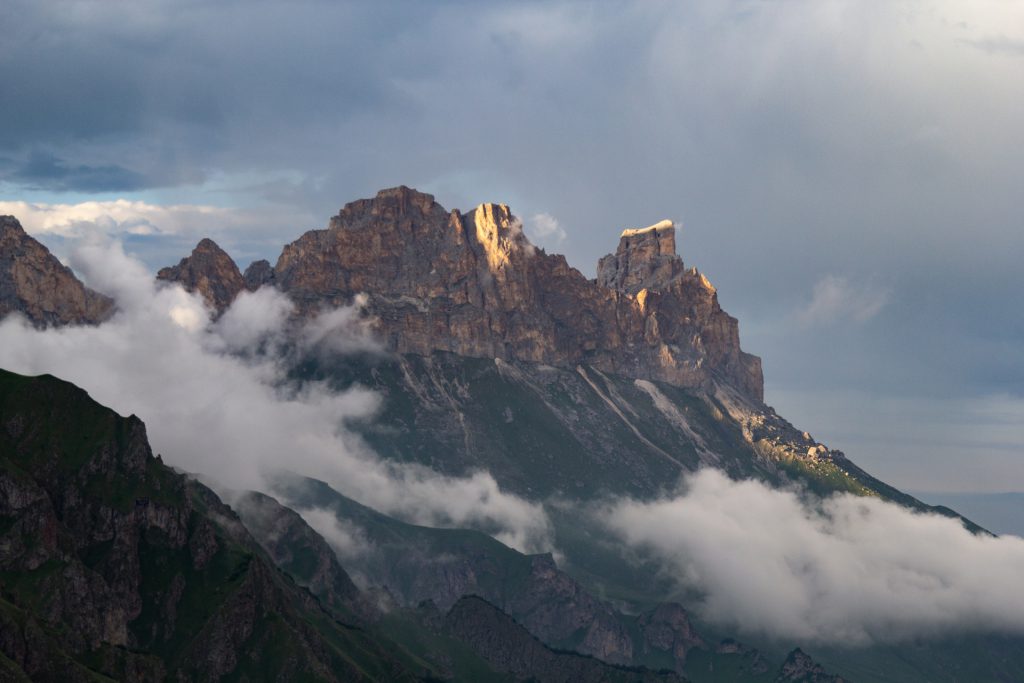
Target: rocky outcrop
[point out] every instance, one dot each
(800, 668)
(646, 259)
(258, 273)
(210, 272)
(473, 285)
(304, 555)
(509, 647)
(34, 283)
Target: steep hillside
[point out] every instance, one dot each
(113, 566)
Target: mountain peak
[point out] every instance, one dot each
(210, 271)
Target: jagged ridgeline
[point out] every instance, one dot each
(503, 357)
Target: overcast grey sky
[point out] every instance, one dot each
(848, 174)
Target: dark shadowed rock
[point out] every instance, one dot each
(258, 273)
(34, 283)
(509, 647)
(800, 668)
(297, 549)
(211, 272)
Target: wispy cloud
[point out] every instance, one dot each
(117, 217)
(836, 299)
(544, 230)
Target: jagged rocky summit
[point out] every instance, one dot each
(207, 270)
(34, 283)
(472, 284)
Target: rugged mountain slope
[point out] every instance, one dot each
(510, 647)
(113, 565)
(34, 283)
(416, 564)
(301, 552)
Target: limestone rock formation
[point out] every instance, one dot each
(473, 285)
(258, 273)
(646, 259)
(34, 283)
(211, 272)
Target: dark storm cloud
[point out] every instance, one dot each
(46, 171)
(800, 144)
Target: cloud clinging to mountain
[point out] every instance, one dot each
(846, 570)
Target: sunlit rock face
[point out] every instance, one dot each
(646, 259)
(472, 284)
(210, 271)
(34, 283)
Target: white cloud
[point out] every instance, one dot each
(245, 233)
(849, 570)
(120, 216)
(836, 299)
(545, 230)
(232, 417)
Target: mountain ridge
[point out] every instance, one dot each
(472, 284)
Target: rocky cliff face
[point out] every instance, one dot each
(211, 272)
(473, 285)
(646, 259)
(34, 283)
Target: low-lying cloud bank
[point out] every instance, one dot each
(848, 570)
(214, 405)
